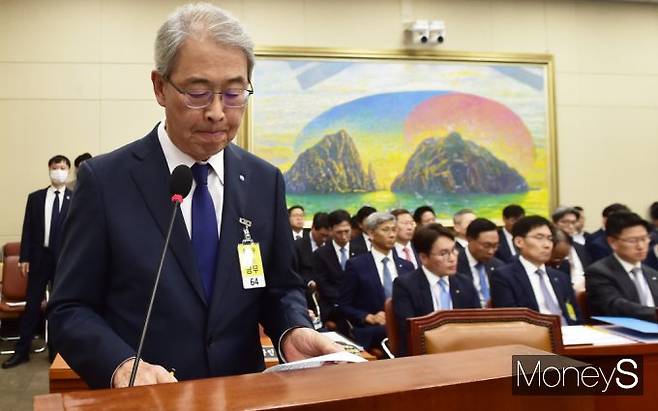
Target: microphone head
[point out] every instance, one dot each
(180, 182)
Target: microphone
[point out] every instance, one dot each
(180, 184)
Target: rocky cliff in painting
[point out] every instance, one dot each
(452, 165)
(333, 165)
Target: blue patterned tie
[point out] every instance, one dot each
(484, 286)
(205, 240)
(444, 296)
(343, 258)
(388, 279)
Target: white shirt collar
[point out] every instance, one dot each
(627, 266)
(378, 256)
(471, 260)
(175, 156)
(337, 248)
(530, 267)
(462, 241)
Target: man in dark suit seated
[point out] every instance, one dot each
(210, 302)
(597, 244)
(41, 239)
(368, 281)
(296, 216)
(528, 282)
(506, 251)
(620, 285)
(460, 220)
(565, 218)
(360, 243)
(329, 263)
(436, 285)
(306, 246)
(477, 261)
(424, 215)
(405, 231)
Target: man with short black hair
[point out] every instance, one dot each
(306, 246)
(435, 285)
(528, 282)
(478, 260)
(424, 215)
(77, 162)
(296, 218)
(597, 244)
(368, 281)
(361, 243)
(620, 284)
(566, 218)
(405, 231)
(580, 235)
(45, 211)
(460, 220)
(506, 250)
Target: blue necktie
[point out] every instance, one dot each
(444, 295)
(54, 226)
(388, 279)
(205, 240)
(343, 258)
(484, 286)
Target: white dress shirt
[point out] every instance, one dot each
(176, 157)
(472, 262)
(297, 234)
(399, 248)
(380, 266)
(579, 238)
(337, 249)
(314, 245)
(462, 241)
(510, 241)
(642, 280)
(577, 271)
(435, 288)
(531, 271)
(48, 210)
(368, 242)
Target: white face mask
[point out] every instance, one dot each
(58, 176)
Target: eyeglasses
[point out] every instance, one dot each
(488, 246)
(202, 98)
(444, 254)
(541, 238)
(645, 239)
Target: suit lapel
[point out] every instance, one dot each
(65, 203)
(455, 292)
(152, 179)
(374, 278)
(524, 283)
(557, 288)
(622, 277)
(42, 211)
(425, 292)
(652, 280)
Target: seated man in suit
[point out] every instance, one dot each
(597, 244)
(477, 261)
(296, 218)
(527, 282)
(460, 220)
(306, 246)
(360, 243)
(329, 263)
(565, 218)
(620, 285)
(506, 250)
(368, 281)
(436, 285)
(424, 215)
(405, 231)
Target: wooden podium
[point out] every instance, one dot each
(475, 379)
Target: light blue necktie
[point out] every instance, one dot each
(343, 258)
(444, 295)
(205, 240)
(551, 304)
(484, 286)
(641, 290)
(388, 279)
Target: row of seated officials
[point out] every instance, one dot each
(529, 262)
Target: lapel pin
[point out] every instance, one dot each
(456, 291)
(241, 177)
(653, 278)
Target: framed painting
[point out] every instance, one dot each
(400, 129)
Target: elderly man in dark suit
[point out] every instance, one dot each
(368, 281)
(477, 261)
(40, 243)
(206, 314)
(435, 285)
(620, 284)
(528, 282)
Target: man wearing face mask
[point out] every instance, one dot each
(40, 244)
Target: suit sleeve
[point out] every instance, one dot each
(347, 295)
(321, 276)
(501, 291)
(283, 305)
(79, 332)
(404, 308)
(604, 298)
(26, 235)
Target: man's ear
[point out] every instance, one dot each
(518, 242)
(158, 87)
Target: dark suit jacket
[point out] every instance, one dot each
(113, 240)
(304, 253)
(412, 298)
(362, 293)
(465, 269)
(328, 276)
(652, 259)
(610, 290)
(510, 287)
(597, 246)
(504, 253)
(34, 226)
(359, 245)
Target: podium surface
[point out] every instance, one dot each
(474, 379)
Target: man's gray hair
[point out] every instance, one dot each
(375, 219)
(458, 215)
(199, 20)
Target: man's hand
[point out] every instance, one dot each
(301, 343)
(376, 319)
(24, 267)
(147, 374)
